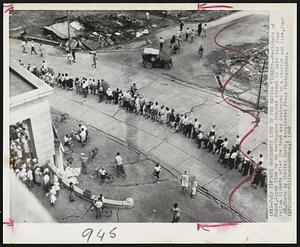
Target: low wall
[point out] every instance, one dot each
(128, 203)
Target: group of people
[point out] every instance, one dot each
(187, 35)
(45, 73)
(30, 173)
(133, 102)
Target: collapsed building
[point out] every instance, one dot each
(98, 31)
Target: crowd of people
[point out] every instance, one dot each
(130, 100)
(177, 39)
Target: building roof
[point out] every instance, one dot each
(17, 84)
(61, 29)
(25, 86)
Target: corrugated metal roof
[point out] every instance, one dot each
(61, 30)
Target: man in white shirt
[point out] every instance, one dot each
(200, 139)
(237, 142)
(98, 206)
(161, 43)
(195, 129)
(30, 179)
(119, 163)
(46, 182)
(156, 172)
(102, 173)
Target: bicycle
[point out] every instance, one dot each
(95, 174)
(93, 154)
(104, 210)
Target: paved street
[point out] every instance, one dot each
(159, 142)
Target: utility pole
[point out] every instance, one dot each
(260, 84)
(69, 38)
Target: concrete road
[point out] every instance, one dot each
(159, 142)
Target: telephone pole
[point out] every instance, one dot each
(260, 84)
(69, 38)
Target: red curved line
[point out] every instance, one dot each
(237, 107)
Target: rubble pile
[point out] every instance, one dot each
(227, 62)
(112, 29)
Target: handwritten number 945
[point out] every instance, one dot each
(101, 234)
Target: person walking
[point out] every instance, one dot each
(32, 45)
(199, 29)
(184, 182)
(94, 60)
(41, 50)
(72, 192)
(161, 43)
(204, 30)
(194, 187)
(176, 213)
(118, 163)
(156, 172)
(200, 51)
(98, 207)
(187, 33)
(181, 26)
(192, 35)
(73, 55)
(83, 160)
(23, 45)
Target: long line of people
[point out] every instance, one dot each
(134, 102)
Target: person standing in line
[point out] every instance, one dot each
(176, 213)
(32, 44)
(224, 146)
(246, 164)
(237, 142)
(184, 182)
(218, 145)
(161, 43)
(185, 123)
(189, 129)
(94, 60)
(226, 158)
(194, 187)
(211, 142)
(212, 130)
(181, 26)
(199, 29)
(200, 139)
(72, 192)
(156, 172)
(195, 129)
(232, 160)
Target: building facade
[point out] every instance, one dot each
(31, 133)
